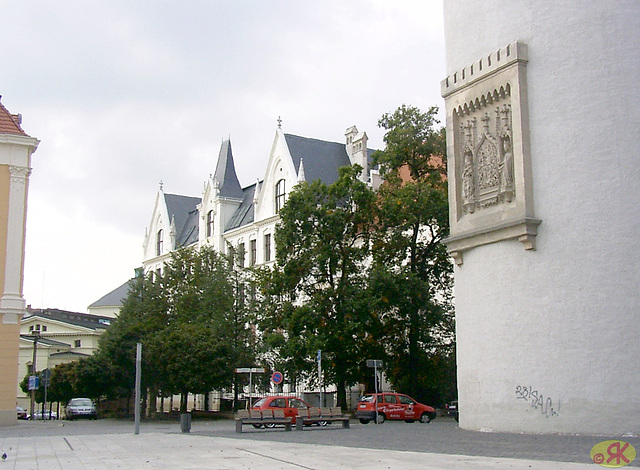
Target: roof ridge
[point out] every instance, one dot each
(10, 123)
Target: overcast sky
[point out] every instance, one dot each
(124, 94)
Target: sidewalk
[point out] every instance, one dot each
(187, 451)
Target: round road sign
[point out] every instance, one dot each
(277, 378)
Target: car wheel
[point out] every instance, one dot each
(322, 423)
(257, 426)
(364, 421)
(381, 418)
(270, 425)
(425, 418)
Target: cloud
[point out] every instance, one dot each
(125, 94)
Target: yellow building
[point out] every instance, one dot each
(62, 336)
(16, 148)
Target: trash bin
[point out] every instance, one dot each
(185, 422)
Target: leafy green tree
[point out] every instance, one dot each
(411, 276)
(316, 297)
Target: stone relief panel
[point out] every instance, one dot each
(488, 152)
(486, 159)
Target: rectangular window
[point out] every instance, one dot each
(159, 241)
(78, 343)
(267, 247)
(241, 255)
(210, 224)
(252, 257)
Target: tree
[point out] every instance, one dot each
(411, 277)
(316, 297)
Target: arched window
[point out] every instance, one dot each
(209, 223)
(280, 195)
(159, 240)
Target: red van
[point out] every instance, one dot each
(393, 405)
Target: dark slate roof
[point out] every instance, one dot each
(225, 173)
(10, 123)
(73, 318)
(321, 159)
(114, 298)
(71, 354)
(45, 340)
(183, 210)
(244, 214)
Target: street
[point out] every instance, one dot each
(442, 436)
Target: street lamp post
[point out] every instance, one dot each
(35, 336)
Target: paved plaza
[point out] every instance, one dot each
(112, 444)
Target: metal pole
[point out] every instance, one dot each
(250, 404)
(375, 381)
(33, 371)
(320, 378)
(138, 377)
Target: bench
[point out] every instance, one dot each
(258, 419)
(320, 416)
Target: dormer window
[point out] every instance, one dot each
(210, 224)
(159, 242)
(281, 195)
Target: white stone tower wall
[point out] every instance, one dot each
(549, 340)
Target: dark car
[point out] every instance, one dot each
(391, 405)
(81, 408)
(452, 409)
(22, 413)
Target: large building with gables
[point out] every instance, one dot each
(243, 218)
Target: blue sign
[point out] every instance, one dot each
(277, 378)
(34, 382)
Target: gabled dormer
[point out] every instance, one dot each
(280, 177)
(174, 224)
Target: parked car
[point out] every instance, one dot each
(290, 405)
(452, 409)
(37, 415)
(81, 408)
(22, 413)
(391, 405)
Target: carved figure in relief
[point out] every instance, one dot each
(506, 158)
(468, 178)
(468, 183)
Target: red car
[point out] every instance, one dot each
(393, 405)
(290, 405)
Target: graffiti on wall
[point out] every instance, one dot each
(538, 401)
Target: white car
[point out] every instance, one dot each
(37, 415)
(81, 408)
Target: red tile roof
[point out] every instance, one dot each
(9, 123)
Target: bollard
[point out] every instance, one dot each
(185, 422)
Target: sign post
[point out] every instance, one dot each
(375, 363)
(137, 386)
(319, 359)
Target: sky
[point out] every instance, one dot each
(125, 94)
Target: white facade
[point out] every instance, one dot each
(547, 336)
(244, 218)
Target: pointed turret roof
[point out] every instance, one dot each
(225, 173)
(10, 123)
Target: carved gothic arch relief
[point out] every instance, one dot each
(490, 183)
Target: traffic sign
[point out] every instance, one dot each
(374, 363)
(248, 370)
(277, 378)
(45, 376)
